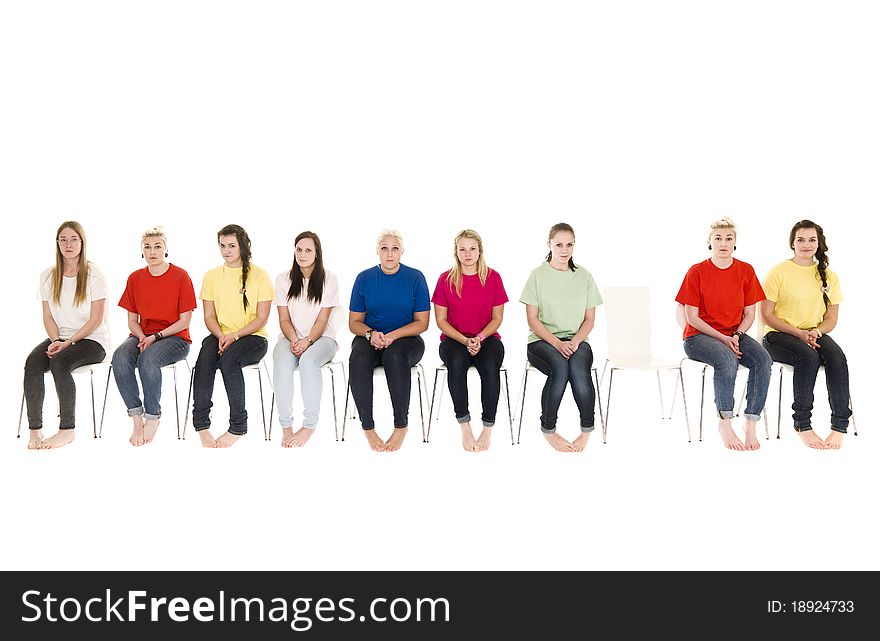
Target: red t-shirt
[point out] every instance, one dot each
(471, 312)
(159, 300)
(720, 294)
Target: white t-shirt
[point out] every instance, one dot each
(304, 312)
(68, 317)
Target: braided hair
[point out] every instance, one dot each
(821, 252)
(558, 227)
(244, 245)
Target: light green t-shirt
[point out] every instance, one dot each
(562, 298)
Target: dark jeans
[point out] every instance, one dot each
(560, 372)
(806, 361)
(488, 363)
(245, 351)
(85, 352)
(397, 360)
(149, 363)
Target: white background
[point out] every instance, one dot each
(636, 122)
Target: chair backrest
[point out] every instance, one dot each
(339, 318)
(628, 321)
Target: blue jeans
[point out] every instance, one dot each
(704, 348)
(806, 361)
(149, 364)
(245, 351)
(488, 363)
(560, 372)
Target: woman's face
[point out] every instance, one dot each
(230, 250)
(306, 253)
(389, 252)
(69, 243)
(153, 249)
(561, 247)
(806, 242)
(468, 252)
(722, 242)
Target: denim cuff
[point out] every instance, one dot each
(753, 417)
(802, 428)
(588, 428)
(136, 411)
(725, 413)
(463, 419)
(548, 431)
(488, 423)
(841, 430)
(237, 433)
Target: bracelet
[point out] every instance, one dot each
(481, 337)
(56, 340)
(738, 333)
(818, 333)
(311, 342)
(71, 341)
(158, 336)
(235, 337)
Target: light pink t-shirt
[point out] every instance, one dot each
(304, 312)
(471, 312)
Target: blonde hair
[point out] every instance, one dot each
(453, 278)
(389, 232)
(722, 223)
(82, 267)
(155, 232)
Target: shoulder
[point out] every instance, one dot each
(366, 273)
(283, 280)
(330, 279)
(583, 272)
(179, 272)
(95, 272)
(46, 274)
(444, 276)
(411, 272)
(256, 270)
(493, 276)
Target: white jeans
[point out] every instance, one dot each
(309, 365)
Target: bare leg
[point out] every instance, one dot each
(834, 440)
(302, 436)
(467, 437)
(206, 438)
(482, 443)
(287, 439)
(376, 443)
(578, 444)
(63, 437)
(728, 436)
(811, 440)
(396, 439)
(227, 439)
(559, 444)
(137, 432)
(752, 442)
(150, 427)
(35, 440)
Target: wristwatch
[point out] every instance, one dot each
(738, 333)
(368, 335)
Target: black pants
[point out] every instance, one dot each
(397, 360)
(488, 363)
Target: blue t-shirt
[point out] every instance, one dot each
(389, 300)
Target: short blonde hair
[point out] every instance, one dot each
(155, 232)
(389, 232)
(722, 223)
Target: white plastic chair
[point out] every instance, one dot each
(522, 396)
(379, 372)
(628, 314)
(441, 372)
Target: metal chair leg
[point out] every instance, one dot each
(660, 393)
(104, 404)
(433, 398)
(192, 374)
(262, 405)
(176, 403)
(509, 413)
(702, 403)
(420, 375)
(779, 406)
(595, 373)
(92, 387)
(687, 420)
(522, 396)
(607, 406)
(20, 415)
(333, 391)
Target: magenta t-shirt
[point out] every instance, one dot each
(471, 312)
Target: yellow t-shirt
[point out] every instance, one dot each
(797, 292)
(222, 286)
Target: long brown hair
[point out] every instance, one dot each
(453, 278)
(316, 280)
(82, 268)
(244, 246)
(821, 252)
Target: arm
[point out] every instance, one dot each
(416, 327)
(286, 324)
(179, 325)
(134, 326)
(96, 315)
(829, 321)
(474, 344)
(314, 333)
(693, 318)
(49, 322)
(583, 331)
(441, 317)
(540, 331)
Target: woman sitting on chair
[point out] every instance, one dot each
(73, 292)
(469, 306)
(561, 299)
(719, 297)
(389, 309)
(305, 297)
(801, 309)
(160, 301)
(236, 298)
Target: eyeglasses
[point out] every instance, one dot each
(69, 241)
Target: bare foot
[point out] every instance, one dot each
(287, 439)
(63, 437)
(35, 440)
(811, 440)
(150, 427)
(729, 438)
(834, 440)
(559, 444)
(376, 443)
(137, 432)
(578, 444)
(752, 442)
(396, 439)
(482, 443)
(227, 439)
(302, 436)
(206, 438)
(467, 437)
